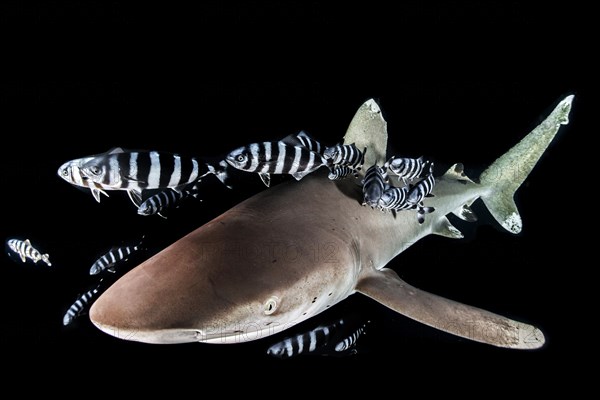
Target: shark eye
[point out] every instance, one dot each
(270, 305)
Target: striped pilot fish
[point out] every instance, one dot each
(407, 169)
(286, 156)
(310, 143)
(158, 203)
(345, 154)
(394, 198)
(418, 192)
(338, 338)
(374, 184)
(341, 171)
(114, 256)
(135, 171)
(25, 250)
(80, 306)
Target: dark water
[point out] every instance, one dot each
(89, 78)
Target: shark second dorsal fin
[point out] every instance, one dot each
(459, 319)
(457, 172)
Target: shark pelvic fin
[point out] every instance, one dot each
(508, 172)
(444, 227)
(459, 319)
(465, 213)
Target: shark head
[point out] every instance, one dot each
(216, 286)
(253, 271)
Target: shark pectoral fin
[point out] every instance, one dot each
(465, 213)
(444, 227)
(469, 322)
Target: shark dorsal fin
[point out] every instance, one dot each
(369, 129)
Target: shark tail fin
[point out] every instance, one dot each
(508, 172)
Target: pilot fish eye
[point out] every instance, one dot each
(241, 158)
(270, 305)
(65, 172)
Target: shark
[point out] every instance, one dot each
(294, 250)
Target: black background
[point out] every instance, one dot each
(457, 82)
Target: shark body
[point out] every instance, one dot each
(292, 251)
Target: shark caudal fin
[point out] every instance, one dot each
(508, 172)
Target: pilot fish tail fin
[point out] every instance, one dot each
(508, 172)
(473, 323)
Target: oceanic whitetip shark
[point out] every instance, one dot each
(289, 252)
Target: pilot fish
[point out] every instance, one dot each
(25, 250)
(337, 337)
(132, 171)
(407, 169)
(374, 185)
(286, 156)
(161, 201)
(80, 305)
(111, 258)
